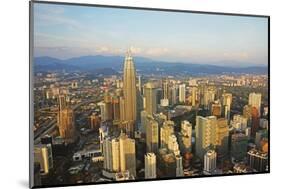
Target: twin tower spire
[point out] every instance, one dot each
(129, 89)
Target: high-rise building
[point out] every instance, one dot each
(43, 155)
(152, 137)
(185, 137)
(94, 122)
(166, 130)
(210, 159)
(239, 122)
(255, 101)
(222, 137)
(174, 95)
(119, 154)
(216, 109)
(108, 107)
(205, 131)
(194, 96)
(166, 91)
(186, 128)
(129, 89)
(226, 102)
(111, 151)
(122, 108)
(257, 160)
(182, 93)
(209, 96)
(150, 165)
(255, 121)
(140, 84)
(103, 112)
(62, 102)
(173, 145)
(66, 124)
(239, 143)
(150, 103)
(127, 154)
(115, 108)
(179, 167)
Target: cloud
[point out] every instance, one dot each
(157, 51)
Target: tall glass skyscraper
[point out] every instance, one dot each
(129, 88)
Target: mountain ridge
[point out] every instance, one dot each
(143, 64)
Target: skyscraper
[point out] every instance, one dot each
(193, 97)
(111, 151)
(257, 160)
(166, 130)
(66, 124)
(226, 102)
(127, 154)
(210, 159)
(185, 137)
(205, 131)
(43, 155)
(150, 165)
(239, 143)
(139, 84)
(152, 137)
(255, 101)
(166, 90)
(150, 103)
(179, 167)
(129, 88)
(182, 93)
(174, 95)
(222, 137)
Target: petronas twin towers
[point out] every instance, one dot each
(129, 89)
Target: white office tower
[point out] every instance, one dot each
(150, 165)
(166, 130)
(182, 93)
(173, 145)
(43, 155)
(255, 101)
(179, 168)
(210, 159)
(152, 137)
(205, 131)
(111, 149)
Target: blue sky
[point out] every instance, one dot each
(63, 31)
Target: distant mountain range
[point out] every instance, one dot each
(113, 64)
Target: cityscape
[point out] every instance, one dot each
(127, 117)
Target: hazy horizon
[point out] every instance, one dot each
(63, 31)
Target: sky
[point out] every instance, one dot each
(64, 31)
